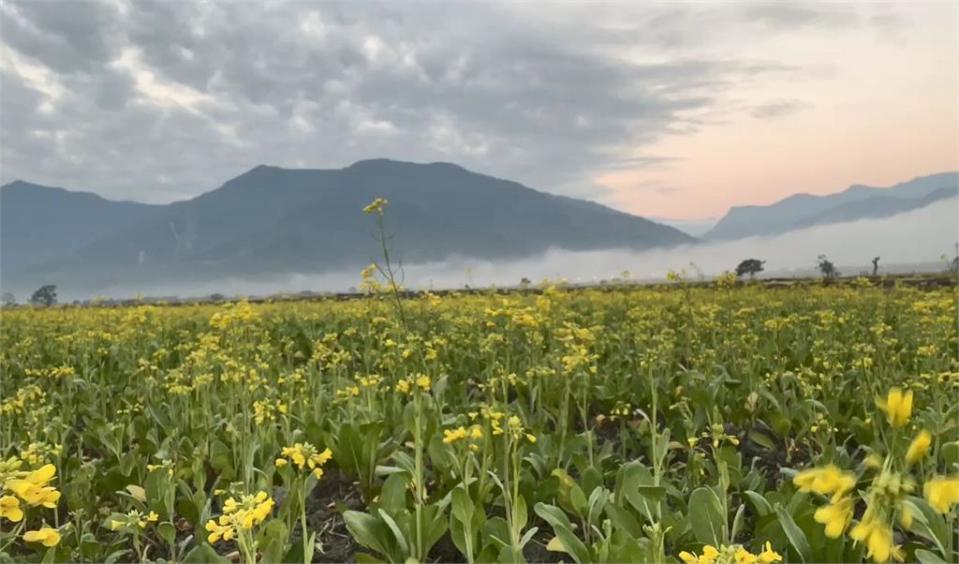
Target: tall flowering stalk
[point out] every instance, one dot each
(301, 466)
(887, 497)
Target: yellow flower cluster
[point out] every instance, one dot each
(829, 480)
(942, 493)
(377, 206)
(46, 536)
(897, 405)
(239, 314)
(407, 385)
(305, 457)
(40, 453)
(245, 514)
(887, 494)
(31, 488)
(517, 431)
(735, 554)
(267, 410)
(473, 433)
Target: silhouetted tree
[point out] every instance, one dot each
(8, 299)
(827, 268)
(875, 266)
(44, 296)
(751, 266)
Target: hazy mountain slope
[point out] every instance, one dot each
(856, 202)
(40, 223)
(272, 220)
(874, 208)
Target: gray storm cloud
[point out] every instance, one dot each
(151, 100)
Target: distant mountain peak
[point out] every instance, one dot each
(855, 202)
(383, 162)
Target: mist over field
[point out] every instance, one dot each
(910, 241)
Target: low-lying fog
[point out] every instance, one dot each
(914, 240)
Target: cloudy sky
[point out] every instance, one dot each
(669, 110)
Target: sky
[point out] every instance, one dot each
(668, 110)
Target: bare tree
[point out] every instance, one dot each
(875, 266)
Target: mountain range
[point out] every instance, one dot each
(855, 203)
(272, 220)
(275, 221)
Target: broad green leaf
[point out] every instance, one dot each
(369, 531)
(760, 504)
(706, 516)
(796, 537)
(562, 529)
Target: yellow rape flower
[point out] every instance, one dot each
(826, 480)
(423, 381)
(451, 436)
(377, 206)
(10, 508)
(768, 555)
(878, 538)
(897, 405)
(46, 536)
(919, 447)
(218, 531)
(835, 516)
(709, 555)
(942, 493)
(33, 487)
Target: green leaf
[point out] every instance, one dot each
(762, 439)
(462, 504)
(926, 557)
(564, 530)
(204, 553)
(520, 515)
(796, 537)
(272, 540)
(369, 531)
(397, 533)
(652, 493)
(393, 494)
(760, 504)
(167, 532)
(706, 516)
(927, 523)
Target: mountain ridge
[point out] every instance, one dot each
(274, 219)
(798, 210)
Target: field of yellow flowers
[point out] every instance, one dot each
(705, 423)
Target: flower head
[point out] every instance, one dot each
(305, 457)
(835, 516)
(826, 480)
(897, 405)
(942, 493)
(10, 508)
(919, 447)
(33, 488)
(377, 206)
(46, 536)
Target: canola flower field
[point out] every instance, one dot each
(707, 423)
